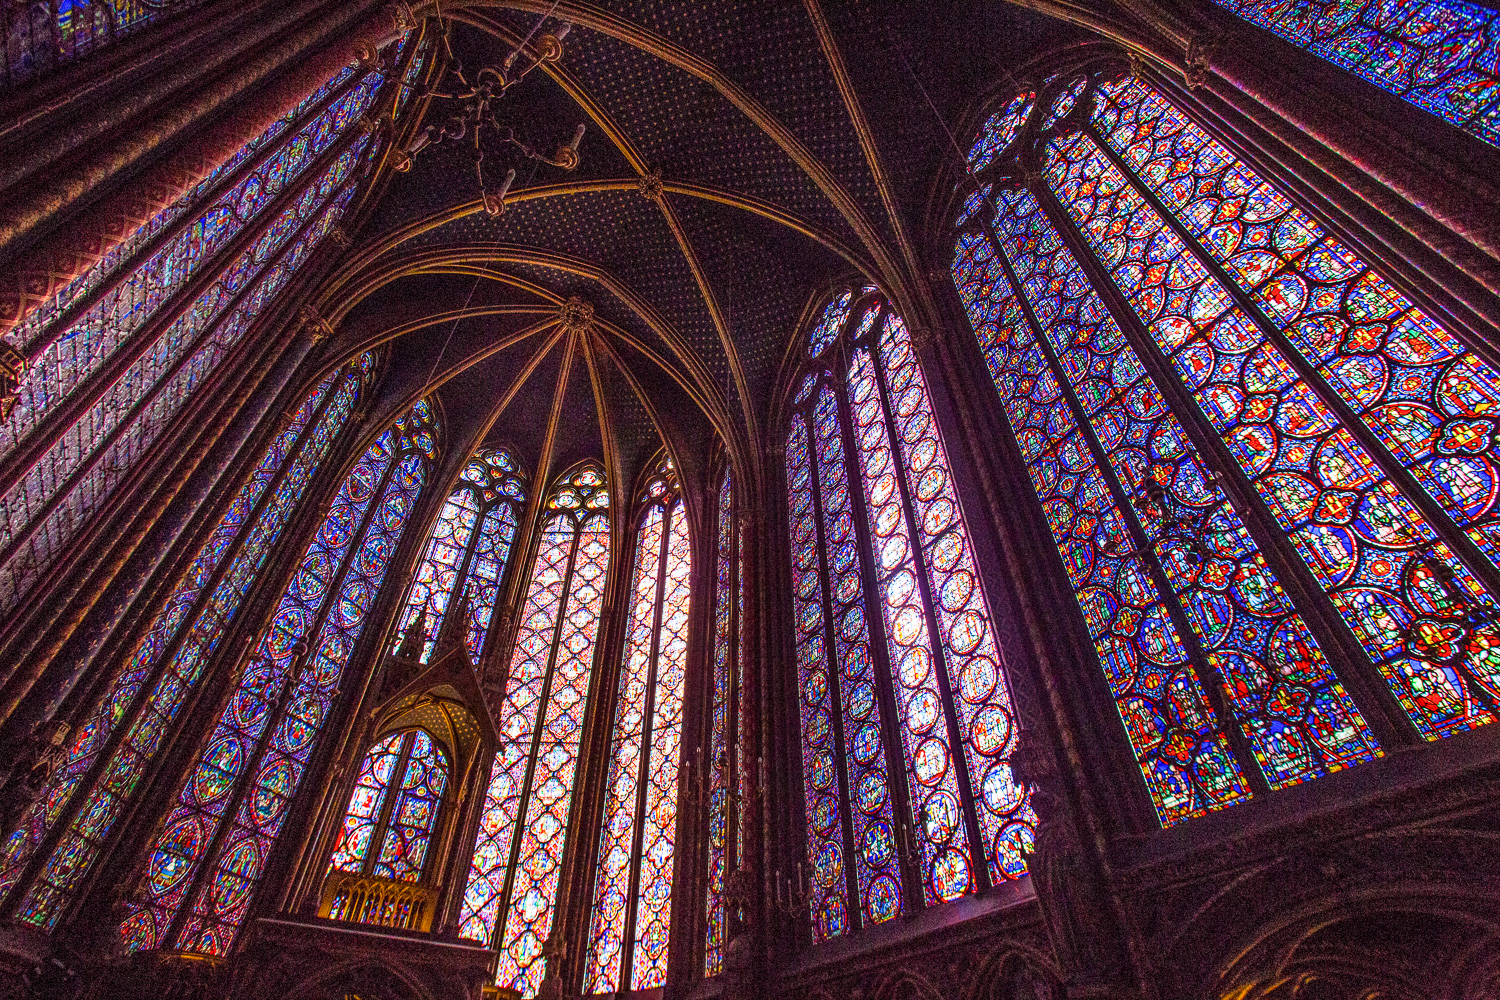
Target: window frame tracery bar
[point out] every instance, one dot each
(726, 702)
(614, 966)
(166, 659)
(295, 684)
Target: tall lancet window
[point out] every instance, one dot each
(214, 844)
(633, 889)
(1270, 474)
(907, 721)
(59, 838)
(726, 725)
(512, 884)
(112, 358)
(467, 552)
(1437, 54)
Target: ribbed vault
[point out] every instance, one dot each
(721, 183)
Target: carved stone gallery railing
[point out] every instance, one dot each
(383, 902)
(39, 35)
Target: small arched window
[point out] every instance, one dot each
(1271, 475)
(633, 890)
(907, 720)
(394, 809)
(512, 885)
(467, 552)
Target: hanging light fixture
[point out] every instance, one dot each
(473, 117)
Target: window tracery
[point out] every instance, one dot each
(907, 723)
(205, 863)
(113, 356)
(1436, 54)
(528, 798)
(468, 550)
(109, 754)
(726, 724)
(632, 899)
(1266, 468)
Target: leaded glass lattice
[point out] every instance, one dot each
(725, 763)
(205, 863)
(114, 356)
(1184, 355)
(110, 754)
(512, 883)
(908, 724)
(633, 888)
(1437, 54)
(394, 808)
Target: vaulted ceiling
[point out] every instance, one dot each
(796, 143)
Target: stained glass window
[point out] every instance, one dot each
(394, 808)
(1191, 365)
(907, 722)
(512, 884)
(633, 889)
(467, 552)
(113, 357)
(725, 765)
(36, 37)
(112, 751)
(212, 848)
(1437, 54)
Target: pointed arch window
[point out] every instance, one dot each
(111, 359)
(907, 720)
(394, 808)
(1270, 473)
(726, 725)
(468, 551)
(1436, 54)
(632, 906)
(204, 865)
(512, 884)
(60, 836)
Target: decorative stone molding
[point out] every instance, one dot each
(577, 316)
(12, 370)
(1197, 63)
(314, 326)
(402, 16)
(651, 186)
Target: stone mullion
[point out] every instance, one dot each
(1377, 705)
(1080, 803)
(1141, 540)
(899, 779)
(759, 839)
(968, 806)
(1440, 520)
(573, 914)
(843, 786)
(61, 602)
(122, 727)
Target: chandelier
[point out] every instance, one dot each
(473, 120)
